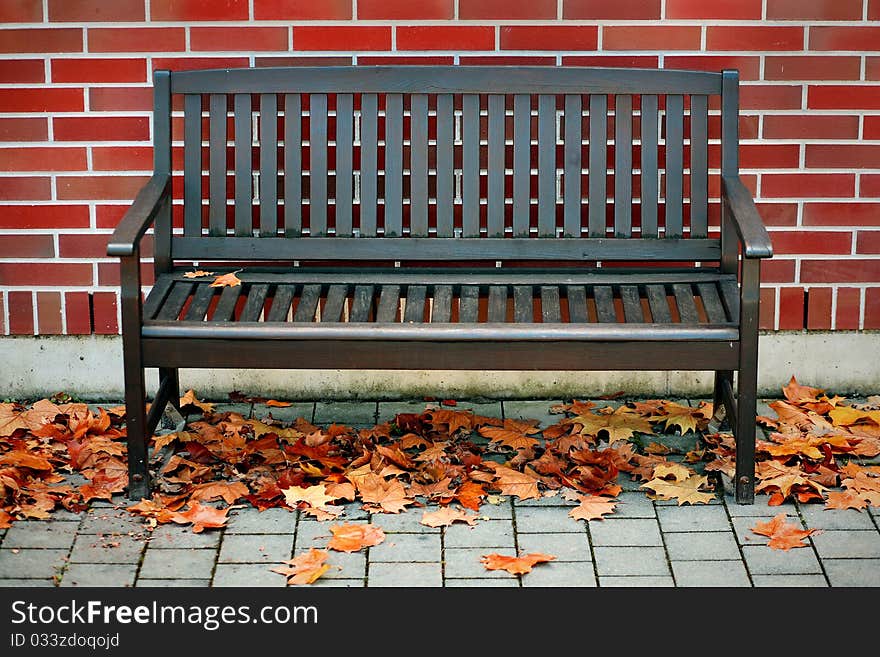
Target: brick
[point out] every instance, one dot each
(31, 563)
(108, 274)
(42, 40)
(197, 63)
(44, 216)
(778, 214)
(244, 38)
(91, 128)
(868, 241)
(423, 10)
(95, 10)
(22, 70)
(342, 38)
(651, 37)
(843, 156)
(720, 9)
(637, 61)
(749, 66)
(21, 310)
(304, 60)
(244, 575)
(769, 156)
(711, 573)
(812, 67)
(813, 185)
(3, 330)
(777, 270)
(874, 10)
(869, 185)
(77, 313)
(99, 70)
(408, 548)
(550, 37)
(850, 270)
(42, 158)
(104, 313)
(872, 68)
(302, 10)
(81, 245)
(107, 575)
(811, 242)
(871, 127)
(198, 10)
(791, 308)
(767, 309)
(819, 308)
(872, 308)
(509, 60)
(114, 99)
(817, 10)
(99, 187)
(27, 99)
(846, 38)
(734, 37)
(136, 39)
(46, 273)
(27, 246)
(841, 214)
(477, 37)
(810, 126)
(849, 302)
(631, 561)
(49, 319)
(603, 10)
(122, 158)
(21, 11)
(25, 188)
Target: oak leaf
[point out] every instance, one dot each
(515, 565)
(201, 517)
(686, 492)
(227, 280)
(350, 537)
(783, 536)
(446, 516)
(305, 568)
(592, 507)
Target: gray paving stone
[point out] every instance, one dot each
(489, 533)
(742, 527)
(836, 544)
(545, 501)
(247, 574)
(40, 534)
(630, 561)
(286, 414)
(105, 574)
(63, 515)
(689, 518)
(415, 574)
(110, 521)
(701, 546)
(634, 505)
(388, 409)
(818, 517)
(310, 533)
(465, 563)
(501, 511)
(256, 548)
(485, 408)
(351, 511)
(789, 581)
(764, 560)
(254, 521)
(567, 546)
(176, 536)
(481, 583)
(760, 508)
(853, 572)
(532, 410)
(344, 565)
(408, 521)
(560, 574)
(29, 563)
(407, 548)
(631, 532)
(242, 408)
(177, 562)
(26, 583)
(637, 582)
(355, 414)
(324, 582)
(710, 573)
(630, 485)
(530, 520)
(90, 548)
(172, 583)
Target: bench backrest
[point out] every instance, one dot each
(591, 163)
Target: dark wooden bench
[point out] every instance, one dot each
(405, 217)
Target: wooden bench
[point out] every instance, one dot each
(445, 217)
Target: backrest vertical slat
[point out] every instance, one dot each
(699, 166)
(572, 173)
(162, 227)
(268, 164)
(522, 130)
(546, 165)
(495, 165)
(192, 165)
(344, 161)
(470, 165)
(418, 165)
(393, 165)
(445, 184)
(674, 163)
(598, 163)
(217, 165)
(317, 165)
(369, 163)
(623, 118)
(650, 173)
(292, 165)
(243, 165)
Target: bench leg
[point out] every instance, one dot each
(747, 383)
(170, 374)
(136, 424)
(723, 378)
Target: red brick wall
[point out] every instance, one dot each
(75, 122)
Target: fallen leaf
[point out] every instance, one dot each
(515, 565)
(314, 496)
(278, 404)
(388, 496)
(228, 491)
(783, 536)
(523, 485)
(846, 499)
(227, 280)
(621, 424)
(201, 517)
(592, 507)
(686, 491)
(446, 516)
(189, 399)
(305, 568)
(350, 537)
(199, 273)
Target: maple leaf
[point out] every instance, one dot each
(389, 496)
(846, 499)
(784, 483)
(470, 495)
(228, 491)
(227, 280)
(523, 485)
(513, 434)
(575, 407)
(23, 459)
(676, 415)
(199, 273)
(454, 420)
(446, 516)
(686, 492)
(619, 424)
(350, 537)
(592, 507)
(798, 394)
(515, 565)
(6, 519)
(202, 517)
(305, 568)
(783, 536)
(189, 399)
(274, 403)
(677, 471)
(314, 496)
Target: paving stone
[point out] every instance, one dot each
(818, 517)
(105, 574)
(710, 573)
(172, 583)
(407, 521)
(789, 581)
(701, 546)
(388, 409)
(501, 511)
(63, 515)
(407, 548)
(167, 564)
(634, 505)
(175, 536)
(489, 533)
(560, 574)
(481, 582)
(415, 574)
(631, 532)
(242, 408)
(628, 484)
(247, 574)
(110, 521)
(89, 548)
(26, 583)
(742, 528)
(256, 548)
(649, 582)
(354, 414)
(465, 563)
(532, 410)
(29, 563)
(311, 533)
(630, 561)
(835, 544)
(545, 501)
(567, 546)
(324, 582)
(531, 520)
(689, 518)
(351, 511)
(285, 414)
(764, 560)
(853, 572)
(760, 508)
(344, 565)
(40, 534)
(254, 521)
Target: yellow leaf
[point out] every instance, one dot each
(227, 280)
(686, 492)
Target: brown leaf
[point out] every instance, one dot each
(592, 507)
(23, 459)
(189, 399)
(846, 499)
(228, 491)
(198, 274)
(201, 517)
(388, 496)
(523, 485)
(305, 568)
(5, 519)
(446, 516)
(619, 425)
(783, 536)
(350, 537)
(515, 565)
(227, 280)
(470, 495)
(686, 492)
(512, 434)
(278, 404)
(314, 496)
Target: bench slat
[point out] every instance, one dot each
(469, 304)
(497, 311)
(389, 303)
(632, 305)
(623, 166)
(217, 165)
(243, 165)
(201, 300)
(175, 300)
(571, 179)
(156, 297)
(441, 310)
(418, 165)
(362, 304)
(393, 164)
(730, 298)
(470, 165)
(650, 173)
(369, 163)
(292, 165)
(192, 165)
(336, 297)
(550, 306)
(495, 166)
(268, 164)
(603, 295)
(281, 303)
(699, 166)
(344, 161)
(684, 299)
(546, 165)
(415, 304)
(523, 304)
(253, 306)
(522, 131)
(577, 303)
(712, 303)
(658, 303)
(308, 304)
(225, 309)
(674, 163)
(598, 164)
(445, 166)
(318, 164)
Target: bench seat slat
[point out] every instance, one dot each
(712, 303)
(468, 304)
(225, 309)
(256, 299)
(577, 304)
(684, 299)
(333, 307)
(362, 304)
(308, 303)
(281, 303)
(157, 296)
(658, 303)
(389, 304)
(550, 308)
(632, 307)
(523, 304)
(415, 304)
(604, 298)
(441, 311)
(175, 300)
(201, 300)
(498, 303)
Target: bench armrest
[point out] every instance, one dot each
(744, 214)
(139, 216)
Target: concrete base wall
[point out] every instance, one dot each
(90, 367)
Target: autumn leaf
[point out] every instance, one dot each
(470, 495)
(278, 404)
(201, 517)
(620, 424)
(306, 568)
(350, 537)
(189, 399)
(675, 415)
(687, 491)
(387, 496)
(846, 499)
(676, 471)
(783, 535)
(314, 496)
(228, 491)
(798, 394)
(227, 280)
(199, 273)
(515, 565)
(592, 507)
(6, 519)
(446, 516)
(523, 485)
(513, 434)
(23, 459)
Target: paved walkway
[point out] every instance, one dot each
(644, 543)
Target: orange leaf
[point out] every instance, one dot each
(198, 274)
(305, 568)
(278, 404)
(446, 516)
(22, 459)
(847, 499)
(229, 491)
(189, 399)
(783, 536)
(201, 517)
(592, 507)
(470, 495)
(349, 537)
(5, 519)
(227, 280)
(515, 565)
